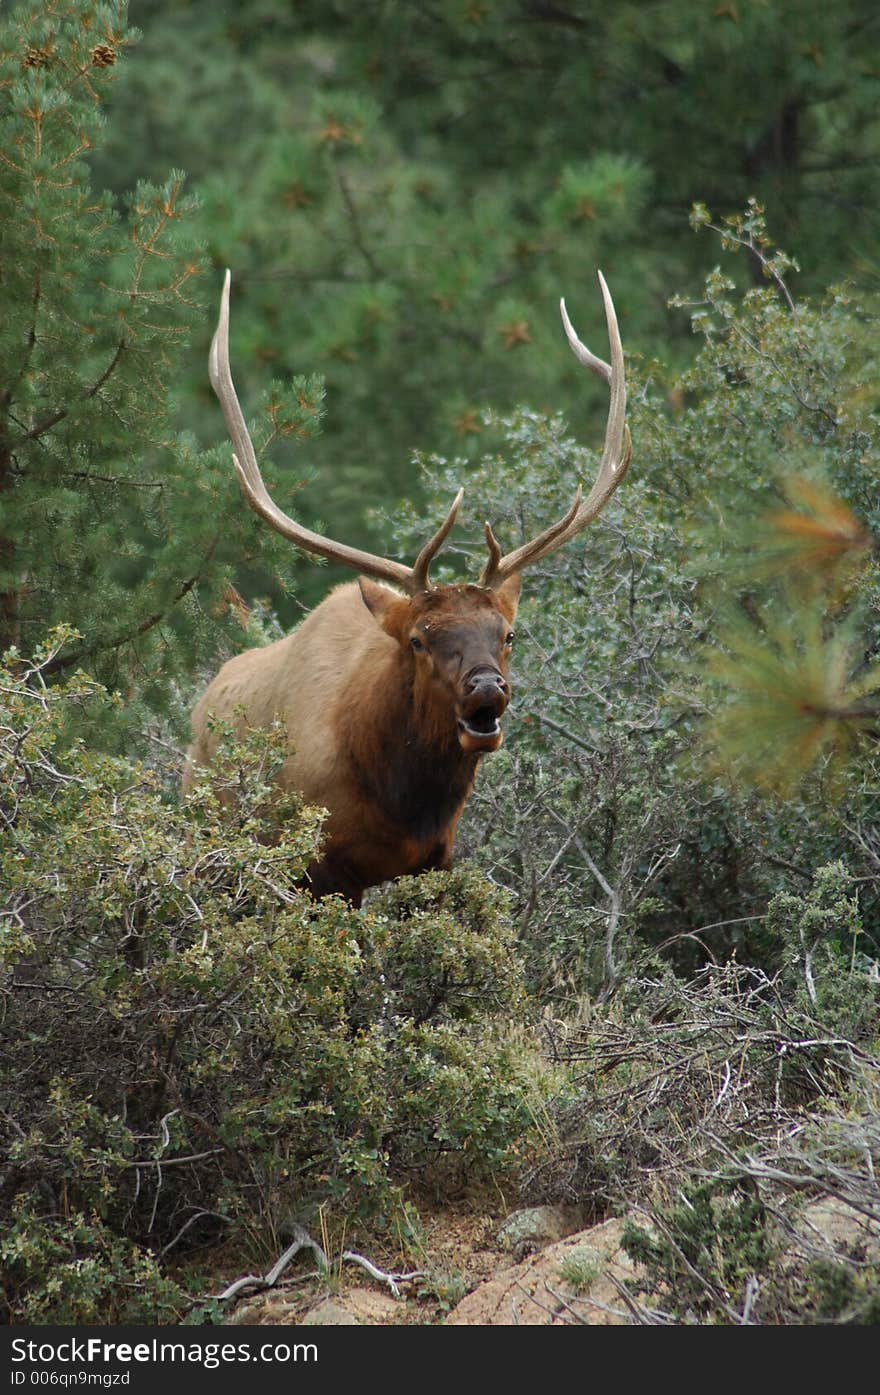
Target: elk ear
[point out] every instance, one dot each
(507, 595)
(377, 599)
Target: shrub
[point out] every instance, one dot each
(820, 936)
(702, 1249)
(71, 1270)
(786, 1233)
(676, 1072)
(193, 1041)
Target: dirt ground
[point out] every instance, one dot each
(477, 1267)
(457, 1252)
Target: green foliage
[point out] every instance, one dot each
(447, 1288)
(732, 1122)
(191, 1035)
(580, 1269)
(70, 1270)
(442, 954)
(110, 519)
(679, 1075)
(785, 1233)
(406, 226)
(718, 608)
(703, 1248)
(198, 1046)
(578, 815)
(787, 567)
(791, 690)
(843, 1294)
(820, 937)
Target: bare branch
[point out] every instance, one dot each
(392, 1280)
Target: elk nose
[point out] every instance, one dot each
(487, 684)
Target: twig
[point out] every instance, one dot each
(532, 1299)
(705, 1283)
(53, 419)
(569, 735)
(613, 913)
(216, 1215)
(174, 1162)
(724, 1088)
(753, 1288)
(354, 219)
(63, 661)
(644, 1316)
(564, 1305)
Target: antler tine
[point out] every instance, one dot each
(244, 458)
(613, 465)
(432, 547)
(494, 548)
(580, 351)
(220, 375)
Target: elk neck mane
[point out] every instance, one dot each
(404, 749)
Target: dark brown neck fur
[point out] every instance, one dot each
(408, 760)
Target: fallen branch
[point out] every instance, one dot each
(392, 1280)
(301, 1241)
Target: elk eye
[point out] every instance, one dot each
(416, 642)
(509, 638)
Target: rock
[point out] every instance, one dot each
(330, 1313)
(836, 1229)
(526, 1231)
(569, 1283)
(356, 1307)
(370, 1306)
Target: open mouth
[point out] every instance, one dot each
(483, 722)
(480, 730)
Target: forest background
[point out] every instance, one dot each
(681, 834)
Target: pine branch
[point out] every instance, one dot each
(48, 422)
(60, 662)
(355, 223)
(6, 395)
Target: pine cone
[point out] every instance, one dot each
(37, 57)
(103, 56)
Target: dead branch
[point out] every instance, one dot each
(301, 1241)
(392, 1280)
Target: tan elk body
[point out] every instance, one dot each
(390, 698)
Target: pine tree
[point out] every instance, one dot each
(110, 521)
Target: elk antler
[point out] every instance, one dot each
(616, 455)
(412, 579)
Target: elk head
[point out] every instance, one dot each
(455, 640)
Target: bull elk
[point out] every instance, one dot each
(390, 694)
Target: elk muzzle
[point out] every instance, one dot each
(486, 694)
